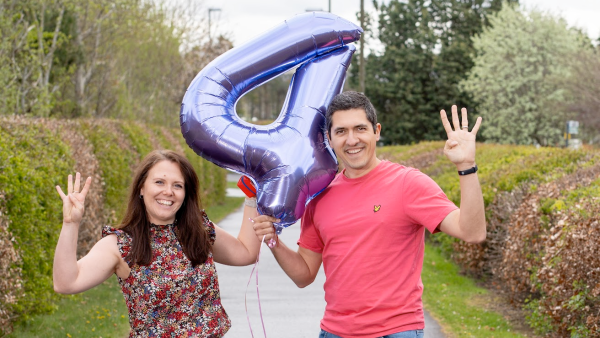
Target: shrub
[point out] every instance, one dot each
(551, 254)
(117, 161)
(33, 161)
(35, 156)
(11, 281)
(542, 208)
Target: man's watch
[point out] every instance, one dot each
(468, 171)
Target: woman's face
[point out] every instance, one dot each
(163, 192)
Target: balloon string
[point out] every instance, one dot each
(257, 293)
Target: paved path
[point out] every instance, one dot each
(287, 311)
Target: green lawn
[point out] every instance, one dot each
(454, 300)
(101, 311)
(232, 185)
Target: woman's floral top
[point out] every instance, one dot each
(170, 297)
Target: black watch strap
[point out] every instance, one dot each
(468, 171)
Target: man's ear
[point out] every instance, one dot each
(378, 131)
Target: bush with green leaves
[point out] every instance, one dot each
(34, 158)
(33, 161)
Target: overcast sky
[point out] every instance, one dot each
(245, 19)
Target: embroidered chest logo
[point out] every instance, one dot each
(376, 208)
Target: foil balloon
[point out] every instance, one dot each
(289, 161)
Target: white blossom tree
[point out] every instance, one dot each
(518, 77)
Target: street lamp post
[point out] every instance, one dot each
(210, 10)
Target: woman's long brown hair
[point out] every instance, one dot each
(192, 235)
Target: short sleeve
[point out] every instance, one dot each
(123, 239)
(309, 236)
(210, 227)
(425, 202)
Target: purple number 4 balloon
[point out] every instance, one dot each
(290, 160)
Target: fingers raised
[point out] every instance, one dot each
(477, 125)
(77, 184)
(69, 184)
(465, 120)
(60, 192)
(455, 121)
(86, 186)
(445, 121)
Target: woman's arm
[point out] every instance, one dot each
(69, 275)
(242, 250)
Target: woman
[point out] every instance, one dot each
(163, 253)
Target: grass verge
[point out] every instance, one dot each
(232, 185)
(101, 311)
(451, 299)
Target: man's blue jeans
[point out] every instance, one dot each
(405, 334)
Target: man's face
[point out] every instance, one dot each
(354, 141)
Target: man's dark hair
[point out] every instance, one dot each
(350, 100)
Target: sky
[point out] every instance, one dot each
(242, 20)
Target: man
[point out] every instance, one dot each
(368, 226)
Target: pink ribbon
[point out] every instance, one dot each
(257, 293)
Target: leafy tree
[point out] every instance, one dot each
(31, 33)
(101, 58)
(584, 86)
(516, 79)
(427, 48)
(266, 101)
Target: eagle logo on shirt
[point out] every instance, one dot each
(376, 208)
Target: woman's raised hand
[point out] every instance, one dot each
(74, 200)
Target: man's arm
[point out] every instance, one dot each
(301, 266)
(468, 222)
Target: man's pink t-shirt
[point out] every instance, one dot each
(371, 232)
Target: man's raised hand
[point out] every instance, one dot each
(460, 147)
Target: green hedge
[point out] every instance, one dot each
(34, 159)
(502, 168)
(115, 165)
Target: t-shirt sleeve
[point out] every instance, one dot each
(425, 203)
(210, 227)
(309, 236)
(123, 239)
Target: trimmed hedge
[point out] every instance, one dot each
(35, 156)
(34, 160)
(542, 207)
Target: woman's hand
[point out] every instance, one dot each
(74, 201)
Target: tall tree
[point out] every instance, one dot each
(584, 86)
(427, 51)
(31, 34)
(101, 58)
(520, 63)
